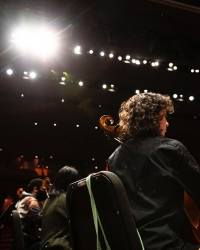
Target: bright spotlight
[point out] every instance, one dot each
(175, 96)
(80, 83)
(137, 62)
(77, 50)
(191, 98)
(9, 71)
(102, 53)
(35, 41)
(32, 75)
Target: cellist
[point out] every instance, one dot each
(155, 171)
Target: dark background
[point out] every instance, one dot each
(162, 31)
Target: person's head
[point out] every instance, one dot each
(144, 114)
(64, 177)
(36, 187)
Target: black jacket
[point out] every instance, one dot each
(155, 172)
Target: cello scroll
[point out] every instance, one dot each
(106, 124)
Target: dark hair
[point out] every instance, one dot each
(64, 177)
(34, 183)
(139, 115)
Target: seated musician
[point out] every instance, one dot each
(55, 229)
(155, 171)
(29, 208)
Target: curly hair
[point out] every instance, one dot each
(34, 183)
(139, 115)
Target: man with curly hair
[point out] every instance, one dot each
(155, 171)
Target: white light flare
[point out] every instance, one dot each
(35, 41)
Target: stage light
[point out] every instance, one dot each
(36, 41)
(90, 51)
(9, 71)
(102, 53)
(104, 86)
(191, 98)
(119, 58)
(137, 62)
(137, 91)
(175, 96)
(112, 88)
(145, 62)
(32, 75)
(111, 55)
(128, 57)
(80, 83)
(77, 50)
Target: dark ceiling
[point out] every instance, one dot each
(163, 31)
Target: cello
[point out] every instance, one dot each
(192, 212)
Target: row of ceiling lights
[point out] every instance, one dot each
(129, 59)
(110, 87)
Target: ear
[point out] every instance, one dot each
(35, 190)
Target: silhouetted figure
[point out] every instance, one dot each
(155, 171)
(29, 208)
(55, 230)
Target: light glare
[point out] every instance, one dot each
(9, 71)
(35, 41)
(191, 98)
(32, 75)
